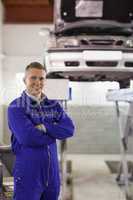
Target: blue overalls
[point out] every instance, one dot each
(36, 170)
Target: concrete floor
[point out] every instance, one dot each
(93, 180)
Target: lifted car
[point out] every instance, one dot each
(92, 40)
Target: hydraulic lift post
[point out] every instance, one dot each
(122, 95)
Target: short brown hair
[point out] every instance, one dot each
(35, 65)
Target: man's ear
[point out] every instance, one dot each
(24, 79)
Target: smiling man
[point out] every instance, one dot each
(35, 123)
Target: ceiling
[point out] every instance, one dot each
(28, 11)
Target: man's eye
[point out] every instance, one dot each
(42, 79)
(33, 78)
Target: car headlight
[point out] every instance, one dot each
(67, 42)
(129, 43)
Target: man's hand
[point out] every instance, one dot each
(41, 127)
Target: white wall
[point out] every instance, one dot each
(1, 60)
(24, 40)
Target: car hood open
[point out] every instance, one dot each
(93, 16)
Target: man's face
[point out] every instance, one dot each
(34, 81)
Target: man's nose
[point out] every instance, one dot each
(37, 82)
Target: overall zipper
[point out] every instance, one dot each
(49, 157)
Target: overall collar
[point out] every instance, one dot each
(38, 101)
(32, 101)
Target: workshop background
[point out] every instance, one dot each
(22, 40)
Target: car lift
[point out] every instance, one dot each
(123, 95)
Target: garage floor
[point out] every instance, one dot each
(93, 180)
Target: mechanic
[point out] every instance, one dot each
(35, 123)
